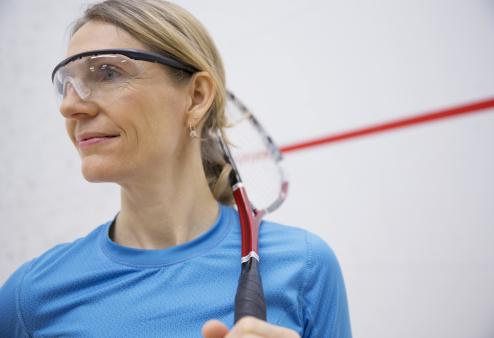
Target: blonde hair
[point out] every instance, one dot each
(168, 28)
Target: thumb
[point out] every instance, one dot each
(214, 329)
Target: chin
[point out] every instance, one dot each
(95, 170)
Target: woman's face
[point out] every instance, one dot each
(146, 116)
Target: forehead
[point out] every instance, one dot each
(101, 35)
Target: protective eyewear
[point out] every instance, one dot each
(95, 73)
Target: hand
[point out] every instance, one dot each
(247, 327)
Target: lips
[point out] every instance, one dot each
(89, 139)
(93, 135)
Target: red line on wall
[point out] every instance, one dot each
(472, 107)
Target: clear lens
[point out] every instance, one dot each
(94, 77)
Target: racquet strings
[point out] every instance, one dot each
(256, 159)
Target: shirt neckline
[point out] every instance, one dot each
(158, 258)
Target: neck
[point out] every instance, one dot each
(159, 215)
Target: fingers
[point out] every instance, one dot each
(247, 327)
(214, 329)
(250, 327)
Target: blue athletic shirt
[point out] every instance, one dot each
(94, 287)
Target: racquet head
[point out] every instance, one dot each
(255, 158)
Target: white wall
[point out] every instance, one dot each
(409, 213)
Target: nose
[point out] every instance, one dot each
(73, 107)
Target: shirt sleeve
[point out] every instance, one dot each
(324, 306)
(11, 324)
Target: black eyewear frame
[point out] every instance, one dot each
(134, 54)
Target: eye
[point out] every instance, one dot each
(106, 72)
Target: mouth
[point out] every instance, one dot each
(93, 137)
(87, 141)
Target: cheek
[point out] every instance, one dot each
(160, 137)
(152, 125)
(70, 127)
(162, 124)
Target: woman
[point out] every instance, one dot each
(168, 264)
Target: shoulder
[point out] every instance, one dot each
(303, 253)
(46, 264)
(303, 259)
(305, 267)
(310, 246)
(65, 253)
(16, 294)
(60, 253)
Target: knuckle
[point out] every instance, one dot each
(291, 334)
(247, 324)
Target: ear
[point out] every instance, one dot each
(201, 96)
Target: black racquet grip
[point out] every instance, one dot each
(249, 300)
